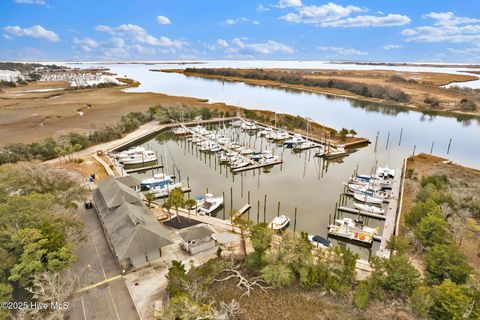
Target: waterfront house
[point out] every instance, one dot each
(134, 235)
(130, 182)
(197, 238)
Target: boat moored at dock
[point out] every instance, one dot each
(352, 230)
(210, 204)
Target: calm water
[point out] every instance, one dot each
(301, 182)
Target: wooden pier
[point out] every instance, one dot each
(363, 213)
(391, 216)
(143, 169)
(256, 166)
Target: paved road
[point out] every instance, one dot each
(105, 295)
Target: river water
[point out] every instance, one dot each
(303, 181)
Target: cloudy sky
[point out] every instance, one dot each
(380, 30)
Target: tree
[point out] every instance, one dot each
(398, 244)
(401, 277)
(76, 148)
(176, 276)
(190, 203)
(422, 301)
(450, 301)
(176, 200)
(421, 209)
(150, 197)
(446, 261)
(261, 238)
(432, 230)
(343, 134)
(245, 225)
(278, 275)
(52, 289)
(353, 133)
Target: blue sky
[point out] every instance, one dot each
(373, 30)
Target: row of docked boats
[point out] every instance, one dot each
(369, 193)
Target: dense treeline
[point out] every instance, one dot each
(365, 90)
(447, 288)
(39, 227)
(48, 148)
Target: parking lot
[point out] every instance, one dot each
(102, 293)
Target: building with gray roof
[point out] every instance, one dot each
(197, 238)
(134, 235)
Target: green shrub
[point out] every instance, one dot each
(401, 277)
(361, 297)
(278, 275)
(422, 301)
(421, 209)
(432, 230)
(446, 261)
(450, 301)
(439, 181)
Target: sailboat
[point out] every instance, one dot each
(158, 179)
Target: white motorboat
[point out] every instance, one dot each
(197, 139)
(280, 222)
(245, 151)
(366, 198)
(269, 159)
(278, 135)
(352, 230)
(200, 130)
(364, 188)
(239, 163)
(368, 180)
(164, 191)
(139, 158)
(319, 241)
(130, 152)
(210, 204)
(249, 126)
(296, 139)
(226, 157)
(181, 131)
(385, 172)
(369, 208)
(158, 180)
(199, 200)
(305, 145)
(265, 131)
(332, 153)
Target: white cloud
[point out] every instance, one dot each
(391, 46)
(222, 43)
(231, 22)
(264, 48)
(37, 32)
(446, 28)
(163, 20)
(261, 7)
(343, 51)
(238, 47)
(289, 3)
(255, 22)
(139, 35)
(449, 19)
(39, 2)
(334, 15)
(87, 44)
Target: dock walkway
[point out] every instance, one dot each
(391, 216)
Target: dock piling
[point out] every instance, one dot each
(294, 220)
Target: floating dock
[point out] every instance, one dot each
(257, 166)
(143, 169)
(363, 213)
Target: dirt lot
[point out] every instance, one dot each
(464, 181)
(422, 85)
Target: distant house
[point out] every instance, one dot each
(135, 237)
(197, 238)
